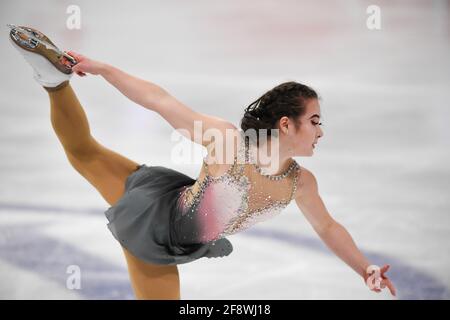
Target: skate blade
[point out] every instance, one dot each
(34, 41)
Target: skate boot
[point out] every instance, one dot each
(50, 69)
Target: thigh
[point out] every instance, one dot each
(105, 170)
(152, 281)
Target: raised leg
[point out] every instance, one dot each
(107, 171)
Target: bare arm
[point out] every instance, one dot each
(155, 98)
(332, 233)
(142, 92)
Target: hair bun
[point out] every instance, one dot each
(287, 99)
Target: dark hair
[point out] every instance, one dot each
(287, 99)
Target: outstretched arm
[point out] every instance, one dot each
(332, 233)
(142, 92)
(155, 98)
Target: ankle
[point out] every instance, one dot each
(58, 87)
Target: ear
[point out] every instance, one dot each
(284, 123)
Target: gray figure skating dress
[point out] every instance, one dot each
(166, 217)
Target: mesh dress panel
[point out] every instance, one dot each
(217, 206)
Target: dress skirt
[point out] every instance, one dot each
(144, 219)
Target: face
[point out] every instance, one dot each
(301, 142)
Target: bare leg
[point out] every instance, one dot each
(152, 281)
(107, 171)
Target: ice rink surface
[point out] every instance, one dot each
(382, 165)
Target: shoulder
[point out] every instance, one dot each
(306, 183)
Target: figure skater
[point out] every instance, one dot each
(163, 218)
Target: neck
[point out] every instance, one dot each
(271, 157)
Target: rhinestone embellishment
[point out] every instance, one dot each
(292, 166)
(242, 216)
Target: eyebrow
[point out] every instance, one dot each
(315, 115)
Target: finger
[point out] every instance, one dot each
(384, 270)
(63, 60)
(74, 55)
(66, 62)
(391, 288)
(77, 70)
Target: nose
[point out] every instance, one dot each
(320, 133)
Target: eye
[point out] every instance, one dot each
(317, 123)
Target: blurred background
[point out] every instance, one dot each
(382, 165)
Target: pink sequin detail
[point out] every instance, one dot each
(221, 202)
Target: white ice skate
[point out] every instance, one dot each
(42, 55)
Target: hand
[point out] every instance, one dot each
(384, 281)
(84, 64)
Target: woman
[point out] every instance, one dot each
(162, 217)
